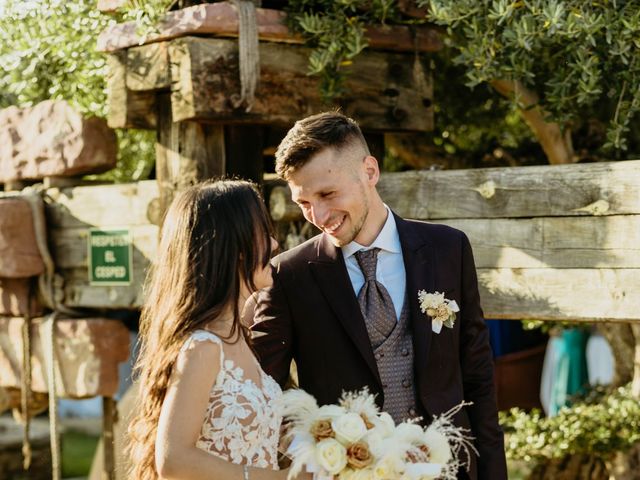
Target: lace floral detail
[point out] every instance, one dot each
(241, 424)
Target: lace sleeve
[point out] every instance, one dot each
(204, 336)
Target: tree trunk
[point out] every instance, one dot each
(556, 144)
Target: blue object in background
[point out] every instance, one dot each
(509, 336)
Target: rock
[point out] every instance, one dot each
(52, 139)
(19, 254)
(88, 352)
(14, 294)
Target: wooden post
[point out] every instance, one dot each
(244, 144)
(109, 413)
(186, 153)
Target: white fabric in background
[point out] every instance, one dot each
(600, 361)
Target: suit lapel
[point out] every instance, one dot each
(419, 263)
(330, 272)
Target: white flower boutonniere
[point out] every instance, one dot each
(441, 310)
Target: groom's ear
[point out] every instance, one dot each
(371, 169)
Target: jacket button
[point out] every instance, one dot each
(413, 412)
(406, 383)
(405, 352)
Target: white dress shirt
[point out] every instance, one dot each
(390, 268)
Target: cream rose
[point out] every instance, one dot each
(349, 428)
(321, 429)
(358, 455)
(331, 455)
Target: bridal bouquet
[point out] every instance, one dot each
(353, 440)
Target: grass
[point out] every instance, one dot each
(78, 449)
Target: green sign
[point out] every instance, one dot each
(110, 256)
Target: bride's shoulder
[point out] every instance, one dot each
(201, 347)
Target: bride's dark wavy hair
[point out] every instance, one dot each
(214, 237)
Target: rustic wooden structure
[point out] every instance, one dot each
(182, 84)
(551, 242)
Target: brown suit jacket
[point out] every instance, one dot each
(311, 315)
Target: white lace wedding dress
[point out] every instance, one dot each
(241, 425)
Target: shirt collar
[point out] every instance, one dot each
(387, 240)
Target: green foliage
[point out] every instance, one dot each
(48, 51)
(476, 125)
(335, 30)
(146, 13)
(600, 424)
(581, 58)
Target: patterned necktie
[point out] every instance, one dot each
(375, 302)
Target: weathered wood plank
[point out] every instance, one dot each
(116, 205)
(186, 153)
(126, 108)
(221, 19)
(558, 242)
(605, 188)
(147, 67)
(561, 294)
(72, 211)
(382, 92)
(77, 293)
(69, 247)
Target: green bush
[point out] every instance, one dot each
(599, 425)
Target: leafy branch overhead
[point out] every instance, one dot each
(579, 58)
(567, 59)
(335, 30)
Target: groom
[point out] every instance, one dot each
(344, 305)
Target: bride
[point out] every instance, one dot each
(206, 409)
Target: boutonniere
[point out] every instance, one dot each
(441, 310)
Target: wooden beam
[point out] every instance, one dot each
(113, 205)
(221, 19)
(554, 242)
(587, 295)
(186, 152)
(126, 108)
(147, 67)
(72, 211)
(604, 188)
(383, 93)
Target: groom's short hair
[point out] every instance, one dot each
(313, 134)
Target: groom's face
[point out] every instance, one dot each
(333, 190)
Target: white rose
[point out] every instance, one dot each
(439, 449)
(331, 455)
(349, 428)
